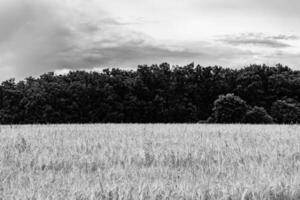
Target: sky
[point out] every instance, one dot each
(39, 36)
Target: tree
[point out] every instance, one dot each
(286, 111)
(151, 94)
(257, 115)
(228, 109)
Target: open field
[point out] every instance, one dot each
(150, 162)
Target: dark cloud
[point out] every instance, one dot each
(131, 52)
(259, 39)
(109, 53)
(257, 42)
(31, 36)
(285, 37)
(36, 38)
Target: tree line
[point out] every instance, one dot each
(155, 94)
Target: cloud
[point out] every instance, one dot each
(109, 53)
(126, 56)
(38, 36)
(31, 36)
(285, 37)
(259, 39)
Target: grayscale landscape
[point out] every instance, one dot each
(149, 100)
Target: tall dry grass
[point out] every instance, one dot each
(150, 162)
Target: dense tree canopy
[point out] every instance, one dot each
(286, 111)
(156, 93)
(257, 115)
(229, 109)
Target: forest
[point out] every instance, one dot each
(155, 94)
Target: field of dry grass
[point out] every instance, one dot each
(86, 162)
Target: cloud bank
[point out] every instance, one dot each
(259, 39)
(38, 36)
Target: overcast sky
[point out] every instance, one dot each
(38, 36)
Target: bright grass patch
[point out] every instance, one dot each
(86, 162)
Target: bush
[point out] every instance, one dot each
(228, 109)
(257, 115)
(286, 111)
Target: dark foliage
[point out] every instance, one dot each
(228, 109)
(286, 111)
(257, 115)
(157, 93)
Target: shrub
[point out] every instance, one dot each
(257, 115)
(286, 111)
(228, 109)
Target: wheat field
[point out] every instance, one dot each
(153, 161)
